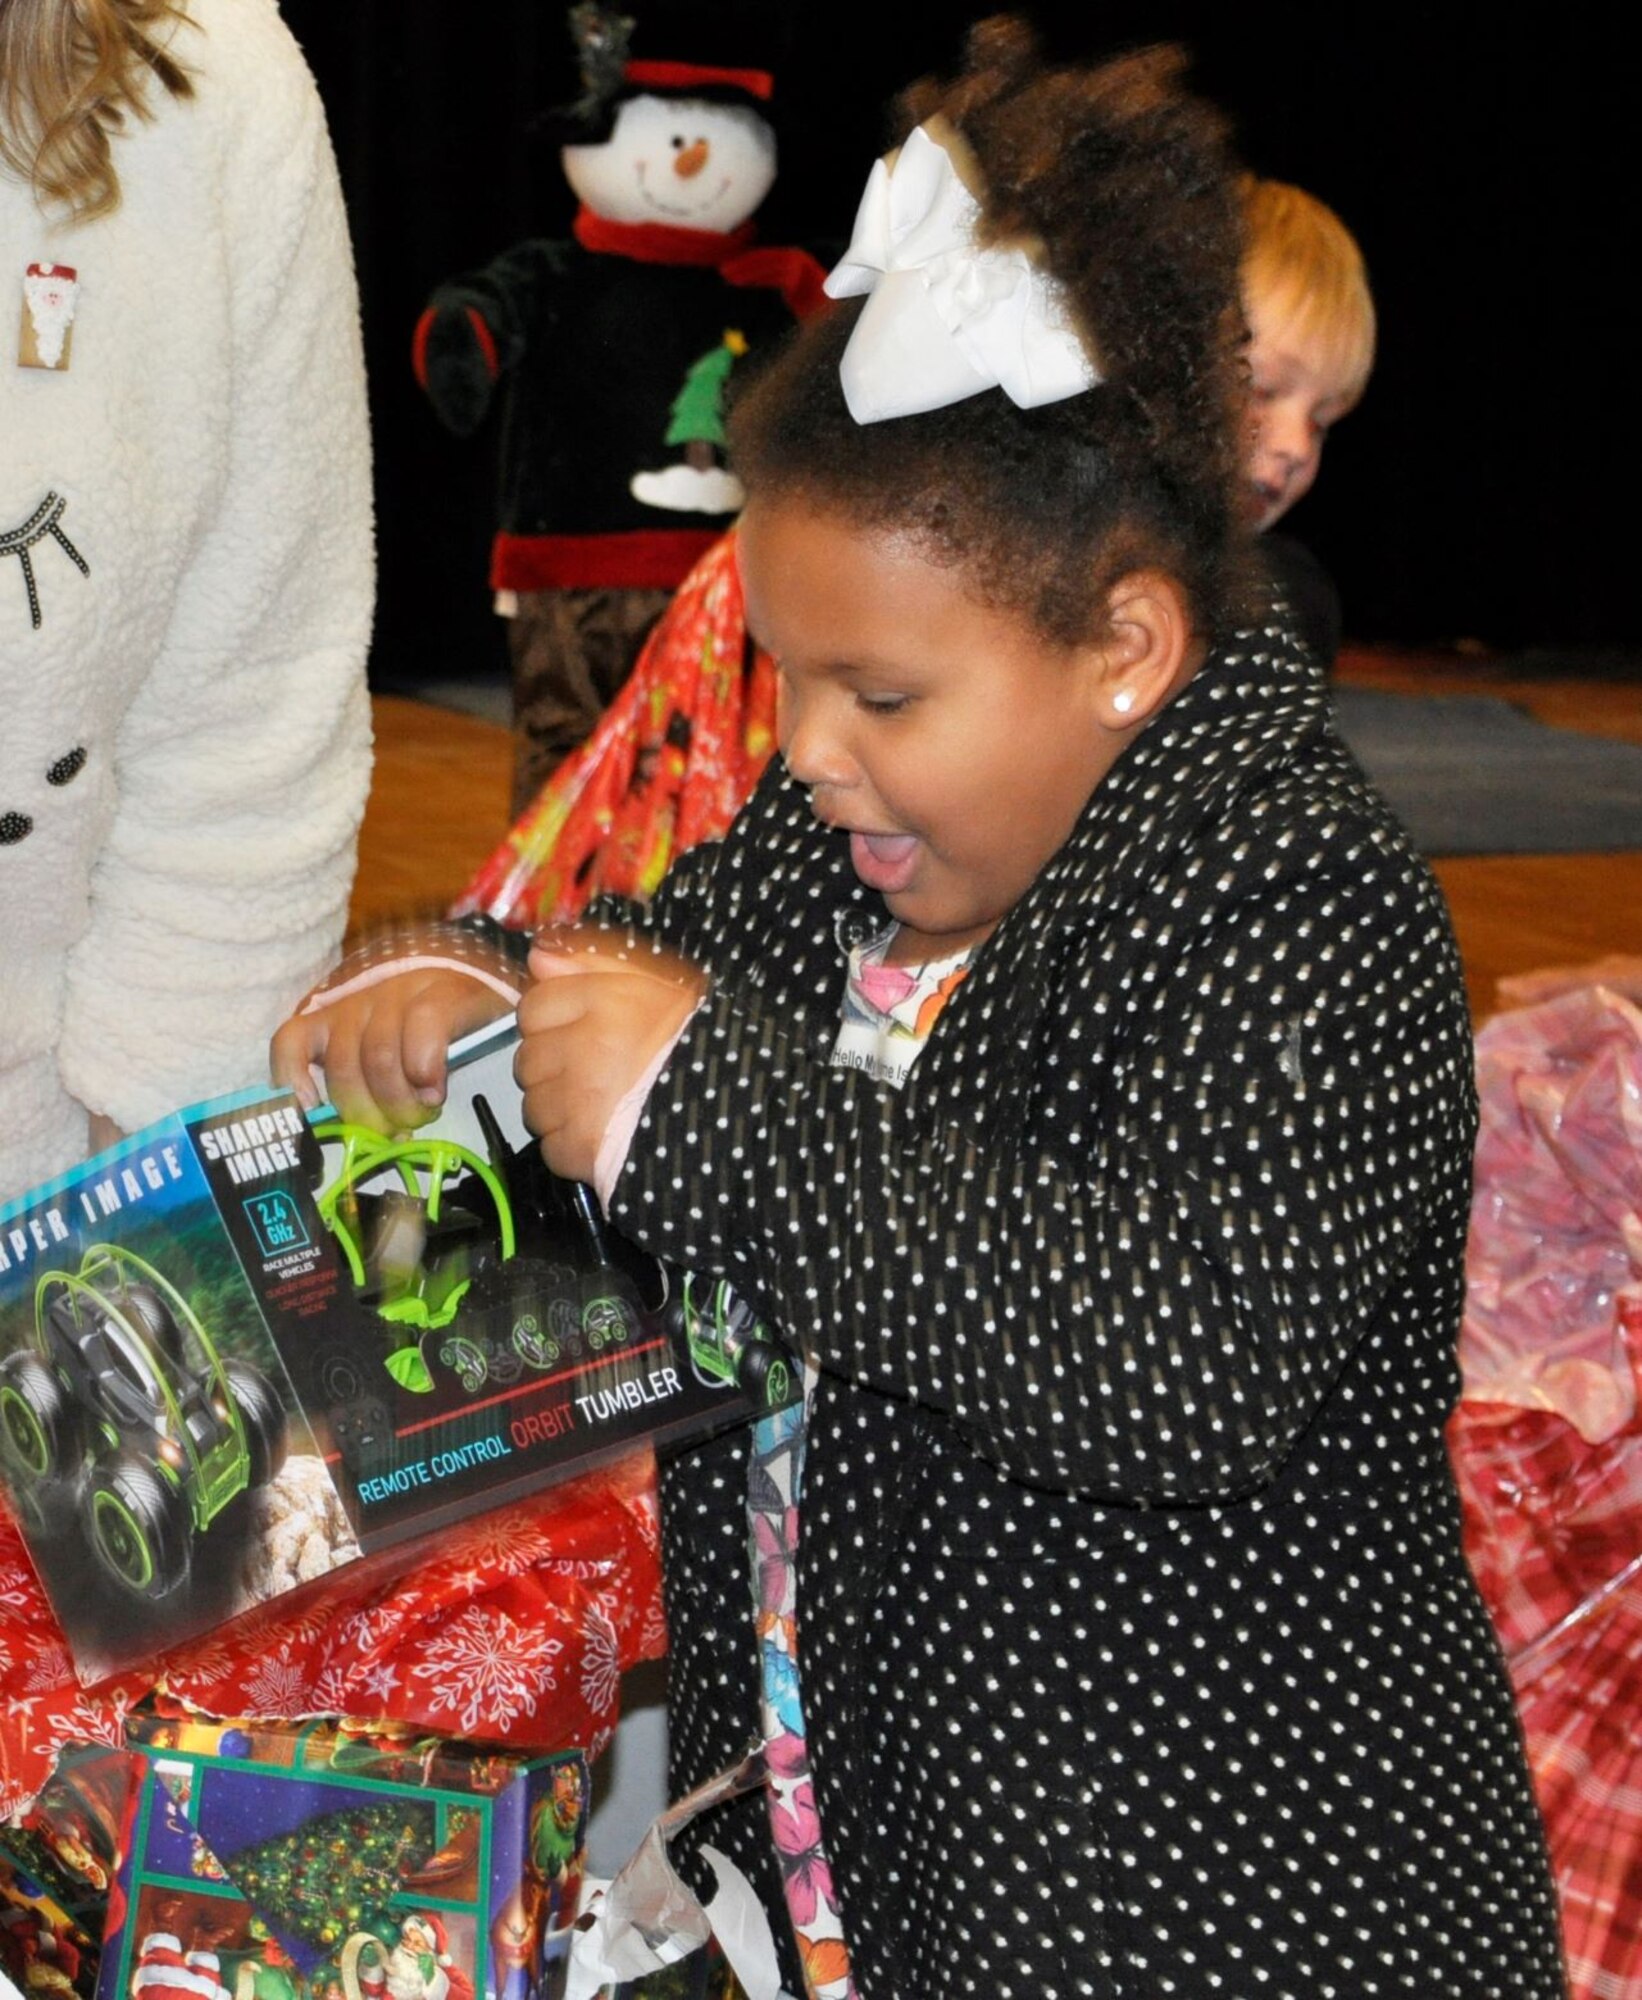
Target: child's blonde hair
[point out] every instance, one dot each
(71, 73)
(1303, 264)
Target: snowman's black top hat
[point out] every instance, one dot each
(726, 51)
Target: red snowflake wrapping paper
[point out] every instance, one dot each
(1547, 1441)
(515, 1629)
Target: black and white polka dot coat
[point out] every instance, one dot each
(1140, 1656)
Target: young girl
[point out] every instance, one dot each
(1121, 1215)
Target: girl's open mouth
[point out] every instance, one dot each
(884, 861)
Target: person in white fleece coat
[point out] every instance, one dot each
(186, 579)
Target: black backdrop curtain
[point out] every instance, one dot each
(1483, 489)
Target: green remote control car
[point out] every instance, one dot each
(123, 1415)
(484, 1268)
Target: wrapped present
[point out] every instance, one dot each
(270, 1861)
(518, 1630)
(1547, 1439)
(56, 1865)
(673, 760)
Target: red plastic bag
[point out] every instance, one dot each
(673, 760)
(1547, 1440)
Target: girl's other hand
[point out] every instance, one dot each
(382, 1050)
(590, 1027)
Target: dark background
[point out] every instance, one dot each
(1482, 491)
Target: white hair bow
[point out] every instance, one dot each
(945, 318)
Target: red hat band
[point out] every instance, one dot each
(697, 76)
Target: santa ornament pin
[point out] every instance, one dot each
(50, 294)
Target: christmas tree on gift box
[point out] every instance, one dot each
(335, 1875)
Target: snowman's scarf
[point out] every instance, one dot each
(739, 258)
(660, 242)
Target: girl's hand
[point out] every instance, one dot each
(594, 1022)
(383, 1049)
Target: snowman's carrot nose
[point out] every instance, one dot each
(690, 162)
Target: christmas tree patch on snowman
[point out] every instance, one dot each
(701, 483)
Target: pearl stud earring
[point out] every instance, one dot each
(1123, 700)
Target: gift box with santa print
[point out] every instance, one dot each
(274, 1861)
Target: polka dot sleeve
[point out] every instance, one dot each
(1141, 1274)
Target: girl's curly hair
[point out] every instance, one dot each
(73, 73)
(1128, 182)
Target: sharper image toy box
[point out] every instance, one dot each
(245, 1347)
(271, 1861)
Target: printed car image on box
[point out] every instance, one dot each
(151, 1446)
(504, 1334)
(504, 1328)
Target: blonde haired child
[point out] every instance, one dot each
(1312, 330)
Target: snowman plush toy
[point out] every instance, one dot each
(611, 355)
